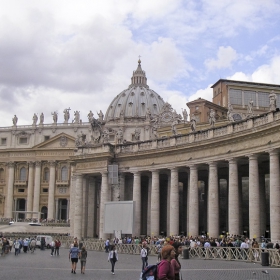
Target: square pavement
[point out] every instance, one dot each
(42, 266)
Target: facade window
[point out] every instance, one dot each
(47, 138)
(3, 141)
(23, 140)
(22, 174)
(1, 174)
(64, 173)
(46, 174)
(45, 190)
(21, 190)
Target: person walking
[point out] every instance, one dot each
(113, 258)
(83, 259)
(52, 244)
(16, 246)
(175, 262)
(73, 255)
(144, 255)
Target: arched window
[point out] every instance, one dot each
(46, 174)
(64, 173)
(22, 174)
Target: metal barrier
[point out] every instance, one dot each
(212, 253)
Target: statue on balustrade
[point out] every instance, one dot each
(272, 101)
(212, 118)
(54, 114)
(66, 115)
(35, 119)
(41, 118)
(193, 123)
(15, 120)
(185, 115)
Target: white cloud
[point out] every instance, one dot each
(206, 93)
(225, 57)
(266, 73)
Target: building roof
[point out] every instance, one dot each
(245, 83)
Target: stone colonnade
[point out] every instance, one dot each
(257, 223)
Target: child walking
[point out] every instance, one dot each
(83, 258)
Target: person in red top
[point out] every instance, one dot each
(175, 262)
(165, 269)
(57, 246)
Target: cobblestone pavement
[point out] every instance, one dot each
(41, 265)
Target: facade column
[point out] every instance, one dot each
(72, 204)
(57, 204)
(78, 206)
(193, 202)
(274, 195)
(137, 200)
(155, 204)
(233, 199)
(51, 214)
(91, 208)
(10, 191)
(37, 187)
(103, 199)
(254, 198)
(122, 186)
(213, 201)
(174, 203)
(30, 188)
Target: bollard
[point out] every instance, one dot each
(186, 254)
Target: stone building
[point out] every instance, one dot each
(212, 172)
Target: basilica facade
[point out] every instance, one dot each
(212, 171)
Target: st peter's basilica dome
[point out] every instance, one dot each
(136, 101)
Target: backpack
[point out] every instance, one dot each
(150, 272)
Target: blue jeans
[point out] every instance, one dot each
(144, 262)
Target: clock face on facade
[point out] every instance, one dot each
(166, 117)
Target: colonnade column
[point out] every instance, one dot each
(262, 201)
(10, 190)
(233, 198)
(51, 215)
(137, 200)
(155, 203)
(78, 206)
(30, 188)
(254, 198)
(213, 201)
(37, 186)
(174, 203)
(274, 195)
(193, 202)
(103, 199)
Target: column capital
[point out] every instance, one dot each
(11, 164)
(273, 152)
(193, 166)
(212, 163)
(232, 160)
(52, 163)
(38, 163)
(173, 169)
(252, 156)
(155, 170)
(31, 163)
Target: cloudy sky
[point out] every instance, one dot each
(56, 54)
